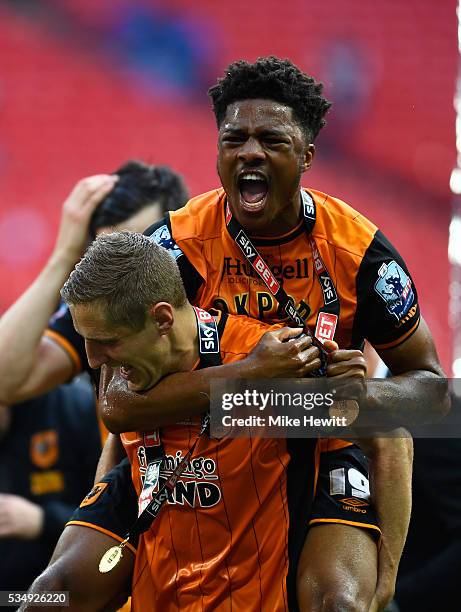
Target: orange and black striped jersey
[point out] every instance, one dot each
(221, 540)
(377, 297)
(230, 534)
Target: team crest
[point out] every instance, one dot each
(163, 238)
(394, 286)
(94, 494)
(44, 448)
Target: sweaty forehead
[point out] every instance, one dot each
(259, 113)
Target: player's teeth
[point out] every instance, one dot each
(252, 177)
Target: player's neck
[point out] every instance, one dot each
(184, 340)
(286, 221)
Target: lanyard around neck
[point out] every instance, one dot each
(250, 252)
(210, 355)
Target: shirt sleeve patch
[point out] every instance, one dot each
(163, 238)
(94, 494)
(395, 288)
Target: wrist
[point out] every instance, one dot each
(62, 261)
(35, 522)
(248, 368)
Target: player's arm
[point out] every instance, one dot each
(391, 457)
(30, 363)
(390, 471)
(112, 453)
(187, 393)
(415, 364)
(73, 568)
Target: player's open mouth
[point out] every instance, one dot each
(253, 189)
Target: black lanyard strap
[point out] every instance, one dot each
(250, 252)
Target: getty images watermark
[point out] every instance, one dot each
(346, 408)
(258, 400)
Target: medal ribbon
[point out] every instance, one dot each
(209, 351)
(251, 254)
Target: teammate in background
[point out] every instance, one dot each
(49, 449)
(356, 287)
(128, 302)
(46, 352)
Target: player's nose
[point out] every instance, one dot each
(96, 355)
(251, 151)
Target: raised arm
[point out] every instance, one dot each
(30, 363)
(187, 393)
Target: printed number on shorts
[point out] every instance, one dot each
(356, 481)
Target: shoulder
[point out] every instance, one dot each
(241, 334)
(340, 225)
(201, 218)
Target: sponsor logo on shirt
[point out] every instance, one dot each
(395, 288)
(198, 486)
(326, 326)
(236, 267)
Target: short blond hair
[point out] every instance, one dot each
(126, 273)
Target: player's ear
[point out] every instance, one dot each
(309, 153)
(163, 315)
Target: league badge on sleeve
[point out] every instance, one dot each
(162, 237)
(394, 286)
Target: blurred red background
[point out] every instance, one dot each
(85, 85)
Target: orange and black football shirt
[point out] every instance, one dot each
(221, 540)
(377, 297)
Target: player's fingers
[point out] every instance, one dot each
(347, 368)
(330, 345)
(310, 367)
(346, 355)
(309, 361)
(286, 333)
(99, 193)
(88, 186)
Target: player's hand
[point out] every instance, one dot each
(77, 211)
(19, 518)
(281, 354)
(345, 363)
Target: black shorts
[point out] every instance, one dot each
(320, 491)
(342, 492)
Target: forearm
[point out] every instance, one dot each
(22, 326)
(178, 396)
(112, 453)
(415, 398)
(390, 483)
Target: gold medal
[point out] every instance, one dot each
(111, 557)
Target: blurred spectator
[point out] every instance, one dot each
(49, 450)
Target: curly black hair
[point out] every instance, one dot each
(273, 79)
(138, 186)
